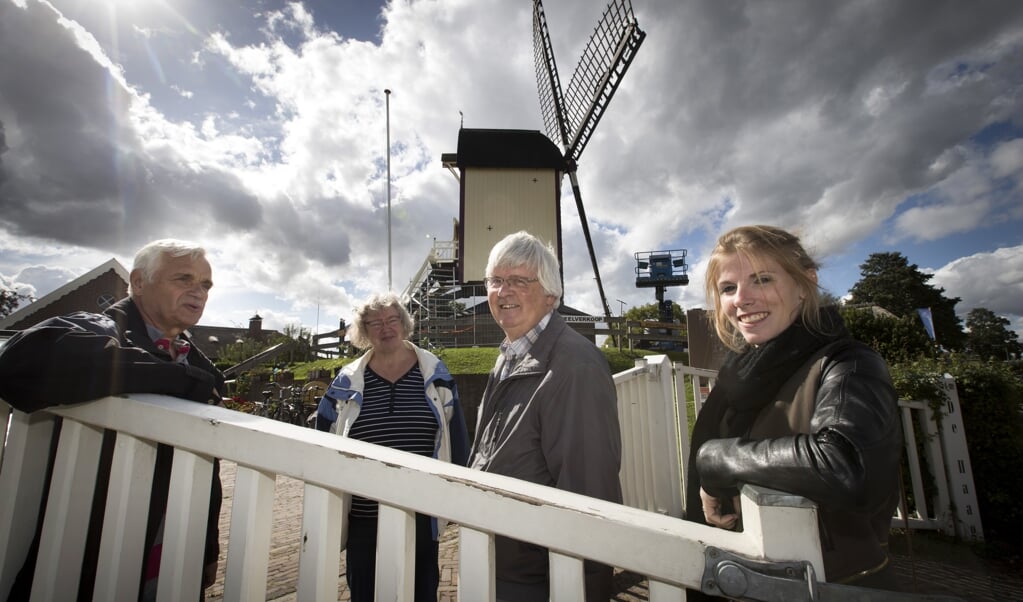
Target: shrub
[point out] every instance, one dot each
(991, 400)
(896, 339)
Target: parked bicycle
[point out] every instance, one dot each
(287, 407)
(265, 408)
(294, 404)
(311, 393)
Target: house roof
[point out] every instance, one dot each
(53, 297)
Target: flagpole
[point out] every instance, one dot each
(387, 95)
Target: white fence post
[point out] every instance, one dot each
(396, 554)
(634, 471)
(68, 509)
(960, 471)
(184, 529)
(126, 518)
(320, 556)
(784, 524)
(648, 415)
(22, 480)
(695, 376)
(249, 544)
(566, 578)
(475, 565)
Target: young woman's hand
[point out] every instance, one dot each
(713, 508)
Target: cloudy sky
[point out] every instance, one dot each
(259, 129)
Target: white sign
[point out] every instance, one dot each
(583, 318)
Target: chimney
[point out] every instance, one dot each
(256, 327)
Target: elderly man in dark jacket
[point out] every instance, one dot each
(549, 414)
(137, 345)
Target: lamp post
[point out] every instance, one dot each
(387, 95)
(621, 323)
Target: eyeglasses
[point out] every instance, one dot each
(392, 322)
(517, 283)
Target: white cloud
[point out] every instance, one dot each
(934, 222)
(793, 114)
(1007, 159)
(990, 280)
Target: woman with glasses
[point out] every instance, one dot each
(403, 397)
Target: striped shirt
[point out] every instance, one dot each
(395, 415)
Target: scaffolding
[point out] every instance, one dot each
(443, 308)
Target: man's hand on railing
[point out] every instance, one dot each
(216, 398)
(713, 509)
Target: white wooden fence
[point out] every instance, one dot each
(653, 412)
(644, 536)
(669, 552)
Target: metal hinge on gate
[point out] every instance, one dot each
(733, 576)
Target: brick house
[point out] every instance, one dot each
(93, 291)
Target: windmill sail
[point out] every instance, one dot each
(571, 117)
(552, 102)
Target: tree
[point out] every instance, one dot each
(10, 299)
(989, 336)
(240, 350)
(301, 343)
(829, 298)
(890, 281)
(653, 312)
(896, 339)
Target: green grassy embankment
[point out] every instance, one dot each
(479, 360)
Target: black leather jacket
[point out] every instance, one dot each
(845, 456)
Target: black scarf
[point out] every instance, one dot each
(749, 381)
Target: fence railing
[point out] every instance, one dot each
(670, 553)
(655, 416)
(643, 536)
(651, 334)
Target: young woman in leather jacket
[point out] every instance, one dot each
(799, 406)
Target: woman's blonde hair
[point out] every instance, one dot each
(754, 243)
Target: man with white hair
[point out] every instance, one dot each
(549, 414)
(137, 345)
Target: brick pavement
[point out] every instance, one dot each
(972, 579)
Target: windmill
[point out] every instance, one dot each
(571, 116)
